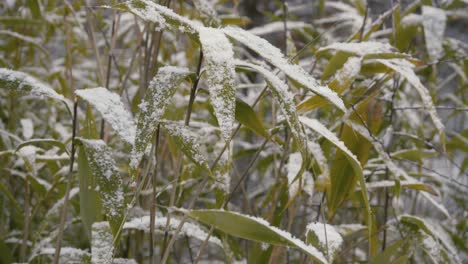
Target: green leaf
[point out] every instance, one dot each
(359, 48)
(391, 253)
(336, 194)
(26, 84)
(112, 110)
(90, 204)
(27, 39)
(161, 15)
(274, 56)
(187, 142)
(220, 76)
(252, 228)
(160, 90)
(340, 83)
(39, 141)
(405, 69)
(247, 117)
(102, 250)
(108, 179)
(285, 100)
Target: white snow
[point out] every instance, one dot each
(274, 56)
(160, 90)
(434, 21)
(220, 76)
(25, 83)
(278, 26)
(189, 229)
(101, 243)
(329, 240)
(28, 128)
(361, 48)
(112, 110)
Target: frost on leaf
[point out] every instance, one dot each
(285, 100)
(101, 243)
(108, 179)
(325, 237)
(361, 48)
(405, 68)
(26, 84)
(434, 21)
(278, 26)
(305, 182)
(253, 228)
(187, 142)
(112, 110)
(274, 56)
(162, 16)
(220, 76)
(188, 229)
(152, 107)
(207, 10)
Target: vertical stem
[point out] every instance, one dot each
(153, 197)
(63, 212)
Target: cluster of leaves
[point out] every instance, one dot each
(127, 126)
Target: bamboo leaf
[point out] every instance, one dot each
(252, 228)
(188, 143)
(108, 179)
(405, 69)
(39, 141)
(220, 75)
(336, 193)
(274, 56)
(90, 204)
(102, 250)
(325, 238)
(112, 110)
(434, 21)
(160, 90)
(26, 84)
(161, 15)
(340, 83)
(247, 117)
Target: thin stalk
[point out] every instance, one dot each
(153, 197)
(63, 212)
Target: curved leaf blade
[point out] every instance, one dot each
(252, 228)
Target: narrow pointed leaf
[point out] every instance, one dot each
(336, 197)
(112, 110)
(274, 56)
(405, 68)
(324, 237)
(187, 142)
(252, 228)
(102, 250)
(434, 21)
(26, 84)
(108, 179)
(220, 76)
(152, 107)
(247, 117)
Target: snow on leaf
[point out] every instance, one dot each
(160, 90)
(293, 168)
(325, 237)
(220, 74)
(112, 110)
(253, 228)
(360, 48)
(187, 141)
(161, 15)
(67, 255)
(278, 26)
(27, 39)
(26, 84)
(207, 10)
(274, 56)
(101, 243)
(318, 127)
(405, 68)
(284, 97)
(434, 21)
(188, 229)
(28, 128)
(108, 179)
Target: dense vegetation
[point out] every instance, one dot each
(149, 131)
